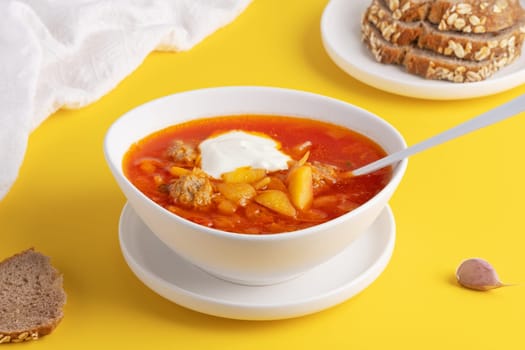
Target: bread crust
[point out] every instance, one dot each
(10, 333)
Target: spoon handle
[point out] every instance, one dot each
(504, 111)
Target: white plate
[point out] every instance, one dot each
(329, 284)
(341, 34)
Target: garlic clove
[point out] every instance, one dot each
(478, 274)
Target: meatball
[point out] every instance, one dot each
(193, 190)
(182, 152)
(322, 175)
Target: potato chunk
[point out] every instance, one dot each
(262, 183)
(244, 174)
(178, 171)
(277, 201)
(300, 187)
(225, 206)
(239, 193)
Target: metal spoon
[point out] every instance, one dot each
(507, 110)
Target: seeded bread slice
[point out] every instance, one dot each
(382, 50)
(476, 47)
(408, 10)
(427, 64)
(475, 16)
(467, 16)
(31, 297)
(437, 67)
(479, 47)
(392, 30)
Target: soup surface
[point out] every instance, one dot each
(314, 185)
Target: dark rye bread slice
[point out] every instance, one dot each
(476, 47)
(31, 297)
(428, 64)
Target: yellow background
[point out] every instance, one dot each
(461, 199)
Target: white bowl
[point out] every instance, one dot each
(243, 258)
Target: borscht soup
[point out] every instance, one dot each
(256, 174)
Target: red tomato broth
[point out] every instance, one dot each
(330, 144)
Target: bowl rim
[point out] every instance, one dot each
(398, 170)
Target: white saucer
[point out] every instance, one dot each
(341, 34)
(335, 281)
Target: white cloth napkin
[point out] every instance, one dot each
(68, 53)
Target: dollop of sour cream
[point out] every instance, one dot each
(235, 149)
